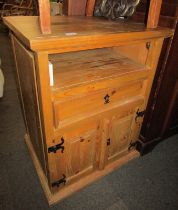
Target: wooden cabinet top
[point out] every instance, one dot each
(80, 33)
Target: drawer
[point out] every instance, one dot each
(96, 101)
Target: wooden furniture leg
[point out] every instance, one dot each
(90, 7)
(154, 13)
(45, 19)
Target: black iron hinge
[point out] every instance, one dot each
(139, 145)
(59, 182)
(57, 147)
(139, 114)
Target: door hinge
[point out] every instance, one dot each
(59, 182)
(139, 114)
(57, 147)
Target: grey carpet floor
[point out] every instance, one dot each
(146, 183)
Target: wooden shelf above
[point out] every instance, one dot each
(84, 67)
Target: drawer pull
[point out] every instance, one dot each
(106, 99)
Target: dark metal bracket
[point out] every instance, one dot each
(139, 114)
(57, 147)
(59, 182)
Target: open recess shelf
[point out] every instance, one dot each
(83, 67)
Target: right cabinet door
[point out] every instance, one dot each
(119, 132)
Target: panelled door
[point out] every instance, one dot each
(119, 132)
(76, 156)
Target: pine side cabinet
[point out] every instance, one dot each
(84, 118)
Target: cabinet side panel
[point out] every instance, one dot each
(27, 81)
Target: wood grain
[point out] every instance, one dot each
(94, 102)
(80, 68)
(154, 13)
(88, 33)
(90, 7)
(27, 81)
(93, 60)
(44, 18)
(72, 8)
(76, 186)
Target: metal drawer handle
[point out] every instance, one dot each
(106, 99)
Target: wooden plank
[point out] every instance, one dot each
(29, 95)
(95, 101)
(78, 185)
(79, 68)
(42, 71)
(133, 101)
(129, 51)
(154, 13)
(90, 7)
(104, 135)
(19, 89)
(103, 84)
(88, 33)
(152, 61)
(43, 82)
(71, 7)
(44, 18)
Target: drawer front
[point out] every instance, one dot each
(95, 102)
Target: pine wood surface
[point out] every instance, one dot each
(44, 18)
(76, 186)
(86, 104)
(90, 7)
(75, 69)
(92, 110)
(154, 13)
(25, 65)
(71, 7)
(79, 33)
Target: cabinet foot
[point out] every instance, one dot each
(144, 147)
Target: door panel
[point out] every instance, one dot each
(120, 131)
(27, 87)
(78, 157)
(81, 154)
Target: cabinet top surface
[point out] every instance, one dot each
(72, 33)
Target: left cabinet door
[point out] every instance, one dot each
(78, 157)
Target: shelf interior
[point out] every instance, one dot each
(80, 68)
